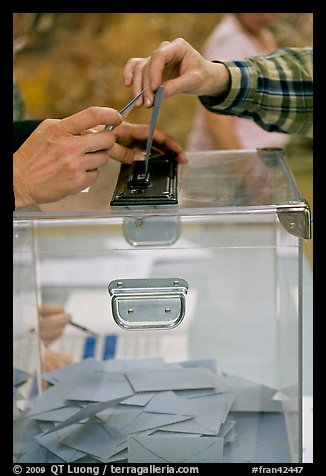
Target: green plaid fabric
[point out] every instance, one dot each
(275, 91)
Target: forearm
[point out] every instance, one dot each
(276, 91)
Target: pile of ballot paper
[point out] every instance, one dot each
(148, 411)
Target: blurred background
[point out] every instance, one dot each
(65, 62)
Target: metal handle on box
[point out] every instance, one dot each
(139, 304)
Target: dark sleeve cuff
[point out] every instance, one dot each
(22, 130)
(211, 101)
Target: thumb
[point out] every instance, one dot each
(126, 155)
(48, 309)
(184, 84)
(89, 118)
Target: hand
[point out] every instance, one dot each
(52, 321)
(180, 68)
(52, 360)
(131, 142)
(59, 158)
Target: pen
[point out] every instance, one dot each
(82, 328)
(26, 333)
(125, 111)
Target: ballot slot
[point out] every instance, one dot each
(139, 304)
(157, 187)
(140, 178)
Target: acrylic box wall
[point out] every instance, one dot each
(233, 238)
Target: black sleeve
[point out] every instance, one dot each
(22, 130)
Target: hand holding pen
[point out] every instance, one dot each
(52, 320)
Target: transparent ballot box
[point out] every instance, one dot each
(186, 316)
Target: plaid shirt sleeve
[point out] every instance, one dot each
(275, 91)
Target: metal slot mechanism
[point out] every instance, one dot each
(151, 230)
(139, 304)
(157, 187)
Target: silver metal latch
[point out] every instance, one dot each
(139, 304)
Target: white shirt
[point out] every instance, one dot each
(229, 40)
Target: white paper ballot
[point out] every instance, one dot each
(175, 449)
(151, 410)
(181, 379)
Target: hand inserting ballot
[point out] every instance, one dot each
(52, 360)
(52, 320)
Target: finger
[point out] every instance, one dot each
(52, 327)
(140, 82)
(63, 360)
(161, 150)
(167, 62)
(165, 143)
(83, 156)
(90, 117)
(125, 155)
(128, 134)
(160, 58)
(132, 76)
(55, 320)
(144, 76)
(129, 69)
(48, 337)
(132, 135)
(136, 74)
(89, 178)
(94, 160)
(46, 309)
(184, 84)
(52, 360)
(95, 141)
(94, 129)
